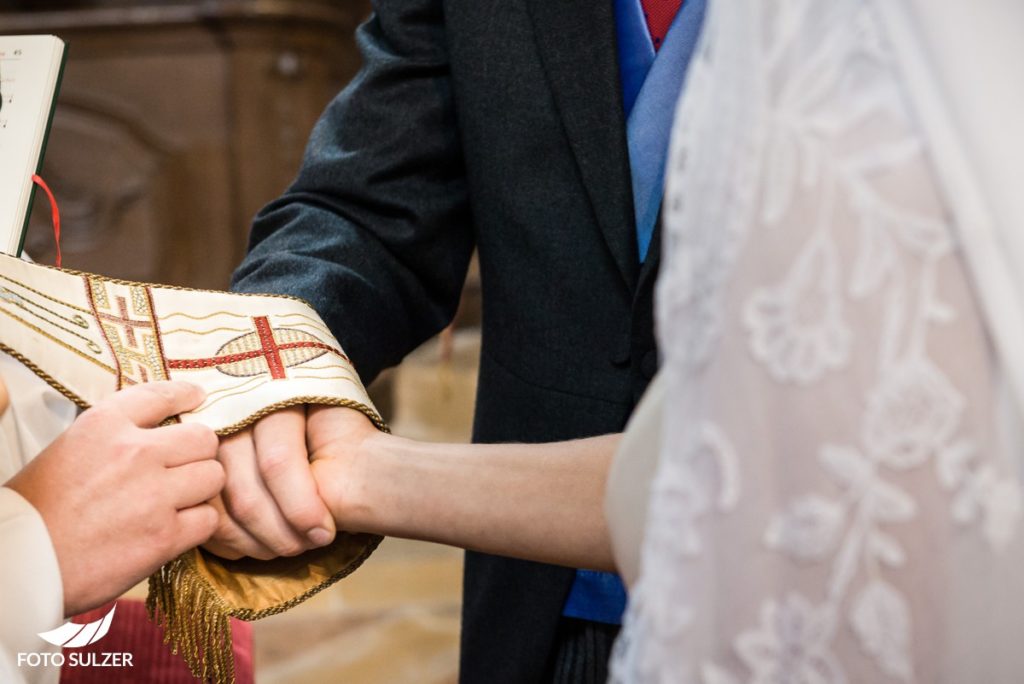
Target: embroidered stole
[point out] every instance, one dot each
(89, 336)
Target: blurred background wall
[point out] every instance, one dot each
(176, 122)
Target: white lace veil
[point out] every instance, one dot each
(838, 498)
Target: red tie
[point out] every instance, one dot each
(659, 15)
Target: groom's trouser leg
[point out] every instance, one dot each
(582, 650)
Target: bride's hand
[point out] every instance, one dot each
(541, 502)
(341, 441)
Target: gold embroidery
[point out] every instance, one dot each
(233, 393)
(348, 378)
(93, 347)
(30, 307)
(177, 331)
(194, 597)
(177, 288)
(10, 295)
(131, 331)
(203, 318)
(44, 295)
(98, 293)
(316, 328)
(298, 401)
(45, 377)
(329, 366)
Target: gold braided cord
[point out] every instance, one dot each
(194, 596)
(179, 288)
(370, 413)
(43, 294)
(296, 401)
(62, 343)
(196, 618)
(44, 376)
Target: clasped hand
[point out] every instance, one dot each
(280, 475)
(121, 493)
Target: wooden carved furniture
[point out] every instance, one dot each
(176, 122)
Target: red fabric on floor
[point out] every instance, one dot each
(152, 661)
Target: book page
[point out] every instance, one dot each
(29, 70)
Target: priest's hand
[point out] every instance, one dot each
(270, 506)
(119, 495)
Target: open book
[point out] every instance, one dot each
(30, 72)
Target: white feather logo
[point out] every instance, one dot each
(73, 635)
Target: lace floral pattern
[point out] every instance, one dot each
(792, 643)
(797, 328)
(824, 350)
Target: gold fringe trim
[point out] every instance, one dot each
(195, 619)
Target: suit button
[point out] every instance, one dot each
(621, 352)
(649, 364)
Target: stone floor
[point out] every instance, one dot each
(396, 619)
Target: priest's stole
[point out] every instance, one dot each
(89, 336)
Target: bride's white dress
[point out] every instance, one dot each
(838, 492)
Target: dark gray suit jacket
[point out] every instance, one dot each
(496, 124)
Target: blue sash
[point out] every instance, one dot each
(651, 84)
(651, 111)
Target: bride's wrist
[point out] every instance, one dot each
(352, 482)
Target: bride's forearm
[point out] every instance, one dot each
(540, 502)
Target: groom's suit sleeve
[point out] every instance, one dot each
(375, 231)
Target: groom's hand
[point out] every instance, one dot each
(270, 506)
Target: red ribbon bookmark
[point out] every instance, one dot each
(54, 211)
